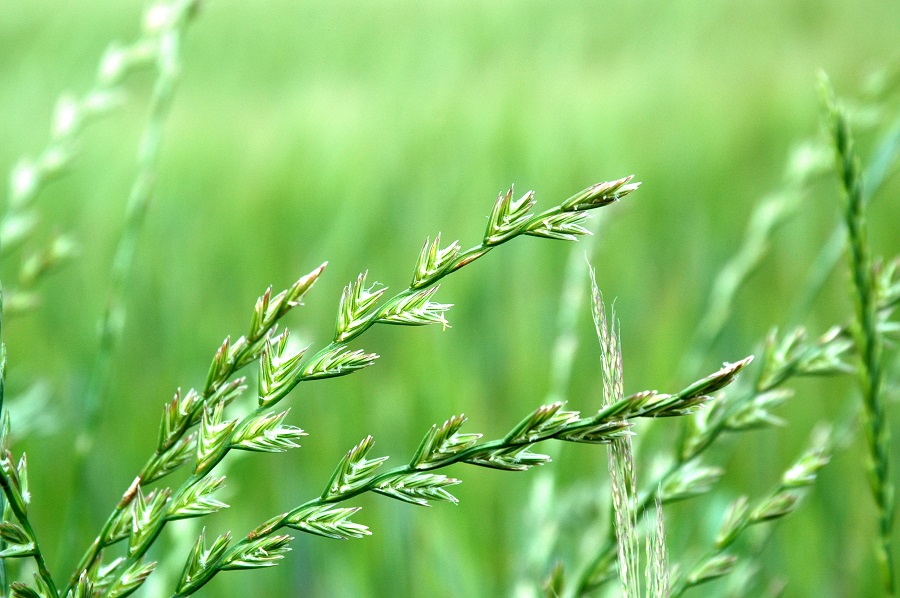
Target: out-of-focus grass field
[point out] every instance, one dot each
(348, 132)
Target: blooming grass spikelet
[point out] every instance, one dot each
(510, 459)
(261, 552)
(596, 432)
(804, 472)
(177, 416)
(358, 303)
(566, 226)
(104, 575)
(415, 309)
(171, 459)
(21, 590)
(269, 309)
(508, 216)
(83, 589)
(201, 557)
(120, 526)
(225, 394)
(15, 484)
(267, 433)
(736, 519)
(600, 195)
(354, 470)
(757, 413)
(715, 381)
(146, 513)
(214, 435)
(433, 261)
(23, 547)
(418, 488)
(13, 533)
(221, 366)
(544, 422)
(278, 369)
(711, 568)
(197, 500)
(793, 355)
(774, 507)
(328, 521)
(132, 579)
(441, 443)
(337, 360)
(691, 480)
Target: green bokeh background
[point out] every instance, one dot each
(348, 132)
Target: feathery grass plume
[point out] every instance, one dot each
(784, 358)
(780, 502)
(657, 571)
(620, 455)
(442, 446)
(867, 336)
(281, 371)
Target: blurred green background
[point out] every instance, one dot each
(348, 132)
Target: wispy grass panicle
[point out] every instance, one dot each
(867, 335)
(657, 571)
(620, 456)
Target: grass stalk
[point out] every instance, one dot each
(867, 335)
(876, 175)
(620, 456)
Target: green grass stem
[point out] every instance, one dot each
(867, 335)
